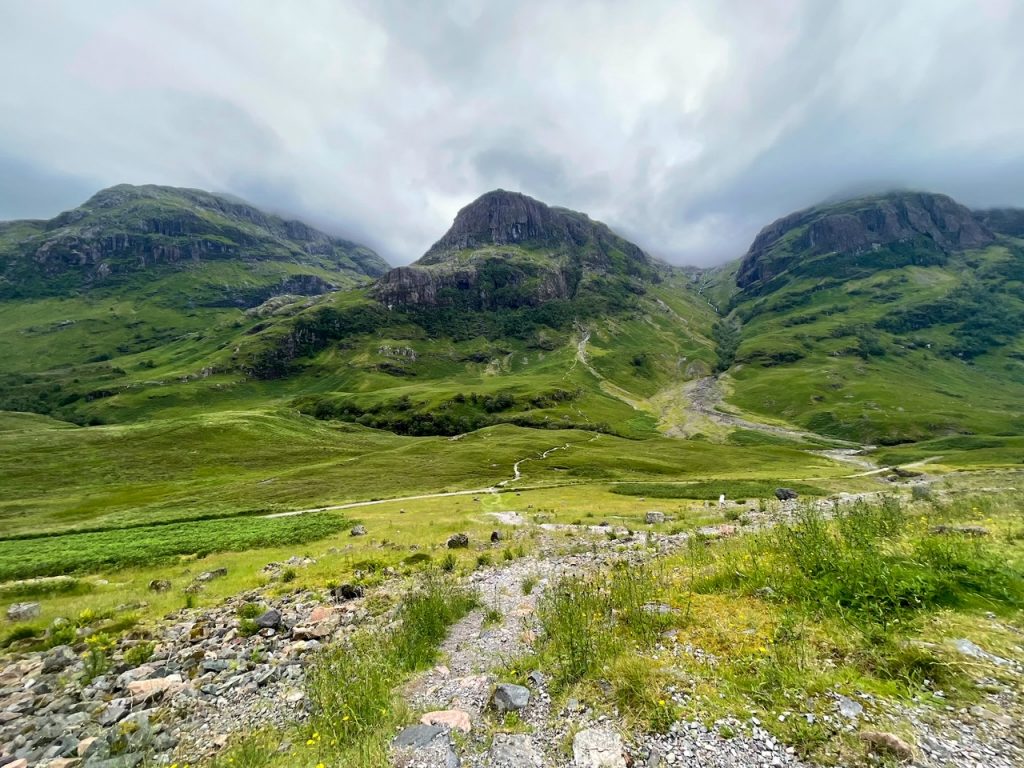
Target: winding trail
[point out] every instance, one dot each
(516, 476)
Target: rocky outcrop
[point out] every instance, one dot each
(511, 218)
(507, 250)
(858, 226)
(475, 285)
(1004, 221)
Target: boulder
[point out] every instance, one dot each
(598, 748)
(458, 541)
(785, 494)
(346, 592)
(59, 658)
(159, 585)
(417, 735)
(358, 530)
(496, 537)
(216, 573)
(653, 517)
(269, 620)
(23, 611)
(509, 698)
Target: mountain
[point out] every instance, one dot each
(147, 284)
(506, 250)
(126, 230)
(906, 228)
(888, 319)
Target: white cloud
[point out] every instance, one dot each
(685, 125)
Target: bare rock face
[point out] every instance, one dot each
(859, 226)
(507, 250)
(507, 218)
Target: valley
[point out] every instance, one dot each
(707, 514)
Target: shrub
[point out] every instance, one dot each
(139, 654)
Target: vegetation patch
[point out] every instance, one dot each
(84, 552)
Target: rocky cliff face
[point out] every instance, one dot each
(508, 218)
(1004, 221)
(508, 250)
(858, 226)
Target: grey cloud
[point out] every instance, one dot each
(686, 126)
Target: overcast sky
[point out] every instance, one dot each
(686, 126)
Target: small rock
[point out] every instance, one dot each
(785, 494)
(23, 611)
(888, 743)
(453, 719)
(417, 735)
(59, 658)
(269, 620)
(159, 585)
(458, 541)
(514, 750)
(346, 592)
(358, 530)
(216, 573)
(653, 517)
(849, 708)
(510, 698)
(598, 748)
(144, 690)
(496, 537)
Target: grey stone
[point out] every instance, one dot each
(785, 494)
(216, 573)
(849, 708)
(358, 530)
(598, 748)
(59, 658)
(653, 517)
(514, 750)
(510, 698)
(417, 735)
(23, 611)
(115, 711)
(269, 620)
(159, 585)
(458, 541)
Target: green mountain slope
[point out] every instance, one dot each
(888, 320)
(146, 283)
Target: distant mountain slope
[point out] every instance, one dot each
(125, 230)
(887, 319)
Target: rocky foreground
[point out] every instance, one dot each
(177, 692)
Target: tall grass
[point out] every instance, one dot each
(351, 687)
(870, 563)
(588, 620)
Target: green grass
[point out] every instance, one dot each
(82, 552)
(867, 602)
(712, 489)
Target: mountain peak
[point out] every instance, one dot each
(937, 222)
(500, 217)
